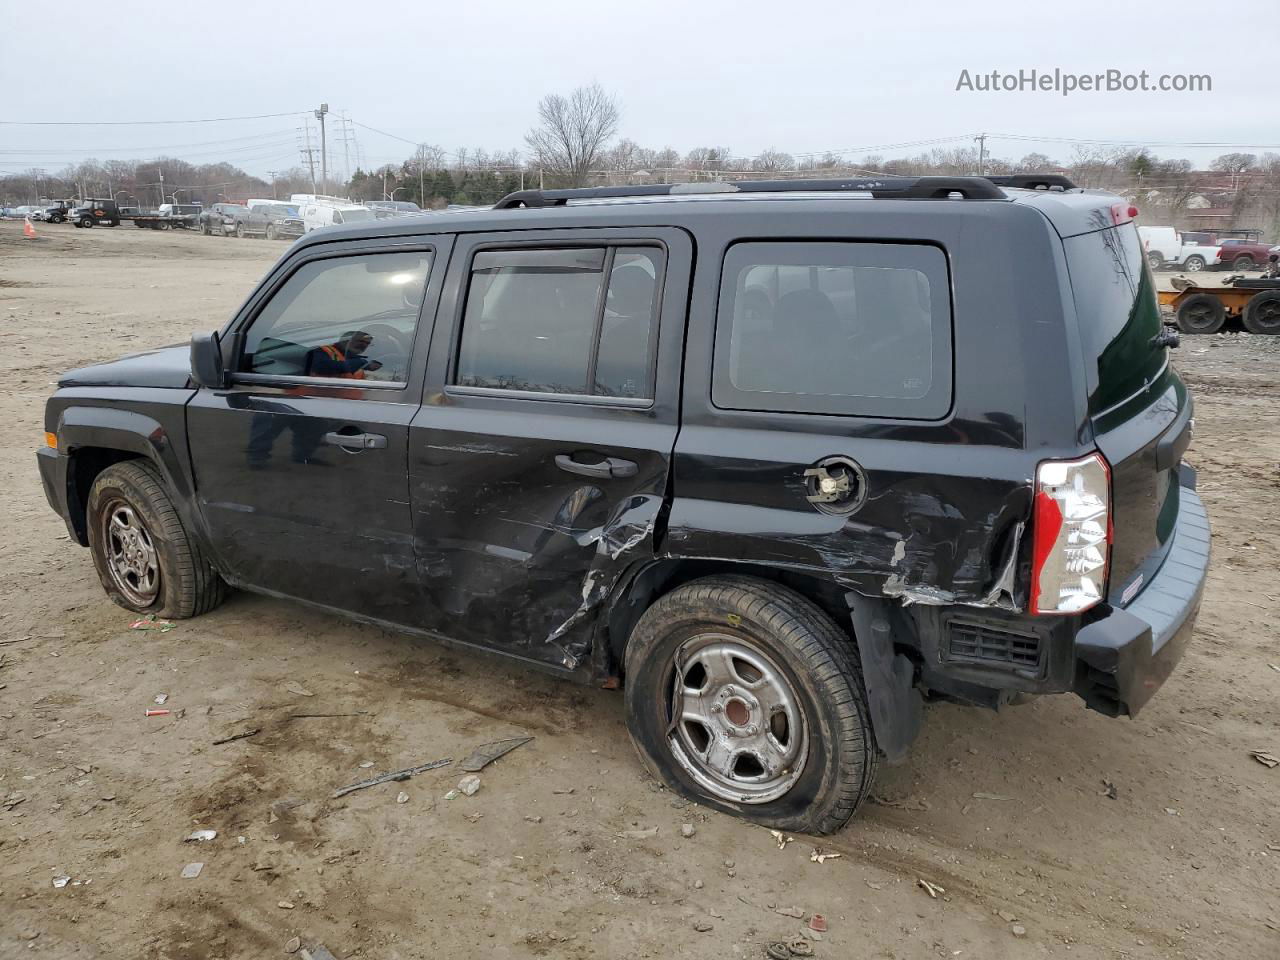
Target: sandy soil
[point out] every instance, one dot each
(1183, 860)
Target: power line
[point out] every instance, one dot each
(1138, 143)
(140, 123)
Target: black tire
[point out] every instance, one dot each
(816, 659)
(86, 222)
(188, 585)
(1194, 263)
(1155, 261)
(271, 231)
(1243, 262)
(57, 218)
(1262, 313)
(1201, 313)
(239, 231)
(204, 228)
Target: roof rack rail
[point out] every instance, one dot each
(1034, 181)
(899, 188)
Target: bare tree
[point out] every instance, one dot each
(572, 132)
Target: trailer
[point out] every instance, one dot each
(1196, 309)
(170, 216)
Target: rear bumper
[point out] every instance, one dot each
(1124, 657)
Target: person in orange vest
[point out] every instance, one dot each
(343, 358)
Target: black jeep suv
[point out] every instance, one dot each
(784, 459)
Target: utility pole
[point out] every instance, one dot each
(162, 188)
(324, 158)
(273, 174)
(982, 153)
(422, 162)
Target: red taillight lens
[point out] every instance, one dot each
(1071, 535)
(1123, 213)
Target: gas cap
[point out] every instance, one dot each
(836, 485)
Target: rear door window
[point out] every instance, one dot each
(857, 329)
(1117, 313)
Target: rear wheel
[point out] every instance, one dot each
(1262, 312)
(1155, 261)
(1201, 313)
(743, 695)
(1194, 263)
(143, 555)
(86, 222)
(1242, 263)
(239, 231)
(204, 227)
(271, 231)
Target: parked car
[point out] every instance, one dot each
(392, 208)
(221, 218)
(1239, 255)
(274, 221)
(1166, 247)
(740, 453)
(322, 213)
(88, 213)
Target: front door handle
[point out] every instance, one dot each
(354, 442)
(605, 468)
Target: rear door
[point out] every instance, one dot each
(540, 458)
(1139, 407)
(300, 464)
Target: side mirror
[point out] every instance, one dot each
(206, 361)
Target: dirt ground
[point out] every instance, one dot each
(1009, 813)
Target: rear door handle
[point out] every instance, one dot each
(354, 442)
(605, 468)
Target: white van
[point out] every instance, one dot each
(323, 213)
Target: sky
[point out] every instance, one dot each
(852, 77)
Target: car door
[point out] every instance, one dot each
(300, 464)
(540, 458)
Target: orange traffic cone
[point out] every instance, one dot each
(28, 230)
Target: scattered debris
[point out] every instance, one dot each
(794, 912)
(819, 857)
(902, 803)
(932, 889)
(1171, 812)
(1018, 930)
(318, 952)
(451, 795)
(402, 797)
(687, 830)
(60, 882)
(800, 947)
(475, 818)
(469, 784)
(16, 640)
(1006, 916)
(990, 796)
(161, 697)
(293, 945)
(238, 736)
(1109, 790)
(198, 835)
(639, 834)
(293, 686)
(533, 819)
(818, 923)
(482, 756)
(12, 800)
(394, 776)
(703, 926)
(192, 870)
(1264, 758)
(285, 904)
(777, 951)
(778, 836)
(151, 623)
(873, 885)
(563, 792)
(157, 713)
(366, 765)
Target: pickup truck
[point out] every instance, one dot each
(1166, 247)
(1241, 255)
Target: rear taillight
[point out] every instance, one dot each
(1071, 534)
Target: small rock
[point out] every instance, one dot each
(1006, 916)
(366, 765)
(703, 926)
(293, 945)
(731, 873)
(192, 870)
(795, 912)
(533, 819)
(1018, 930)
(469, 784)
(29, 934)
(285, 904)
(687, 830)
(698, 884)
(729, 864)
(639, 834)
(402, 797)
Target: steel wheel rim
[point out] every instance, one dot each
(736, 723)
(130, 553)
(1267, 315)
(1201, 316)
(1194, 266)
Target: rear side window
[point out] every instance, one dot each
(859, 329)
(1116, 311)
(580, 321)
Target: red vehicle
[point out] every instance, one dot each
(1240, 255)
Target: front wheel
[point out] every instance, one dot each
(145, 559)
(1155, 261)
(1194, 264)
(271, 231)
(1201, 313)
(86, 222)
(743, 695)
(1242, 263)
(239, 231)
(1262, 313)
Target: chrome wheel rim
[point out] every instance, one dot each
(736, 724)
(130, 553)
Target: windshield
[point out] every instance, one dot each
(1117, 312)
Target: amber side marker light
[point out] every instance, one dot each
(51, 440)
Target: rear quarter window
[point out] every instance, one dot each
(846, 328)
